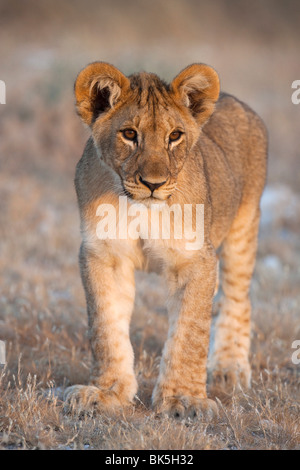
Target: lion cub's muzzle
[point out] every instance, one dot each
(144, 188)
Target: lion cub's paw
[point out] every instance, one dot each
(89, 400)
(230, 376)
(180, 407)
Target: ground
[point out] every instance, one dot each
(42, 309)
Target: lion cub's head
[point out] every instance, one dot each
(144, 128)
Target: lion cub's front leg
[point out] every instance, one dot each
(108, 279)
(181, 387)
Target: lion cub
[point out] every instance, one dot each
(170, 149)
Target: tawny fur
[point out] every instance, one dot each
(219, 160)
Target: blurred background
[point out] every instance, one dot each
(255, 48)
(43, 45)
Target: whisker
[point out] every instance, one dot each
(179, 190)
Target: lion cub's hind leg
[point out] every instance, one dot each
(230, 366)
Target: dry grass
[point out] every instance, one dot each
(42, 309)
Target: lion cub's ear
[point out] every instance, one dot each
(98, 87)
(198, 88)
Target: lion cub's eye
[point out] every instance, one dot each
(129, 134)
(175, 136)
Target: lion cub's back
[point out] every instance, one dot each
(242, 136)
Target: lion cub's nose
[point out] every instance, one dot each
(152, 186)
